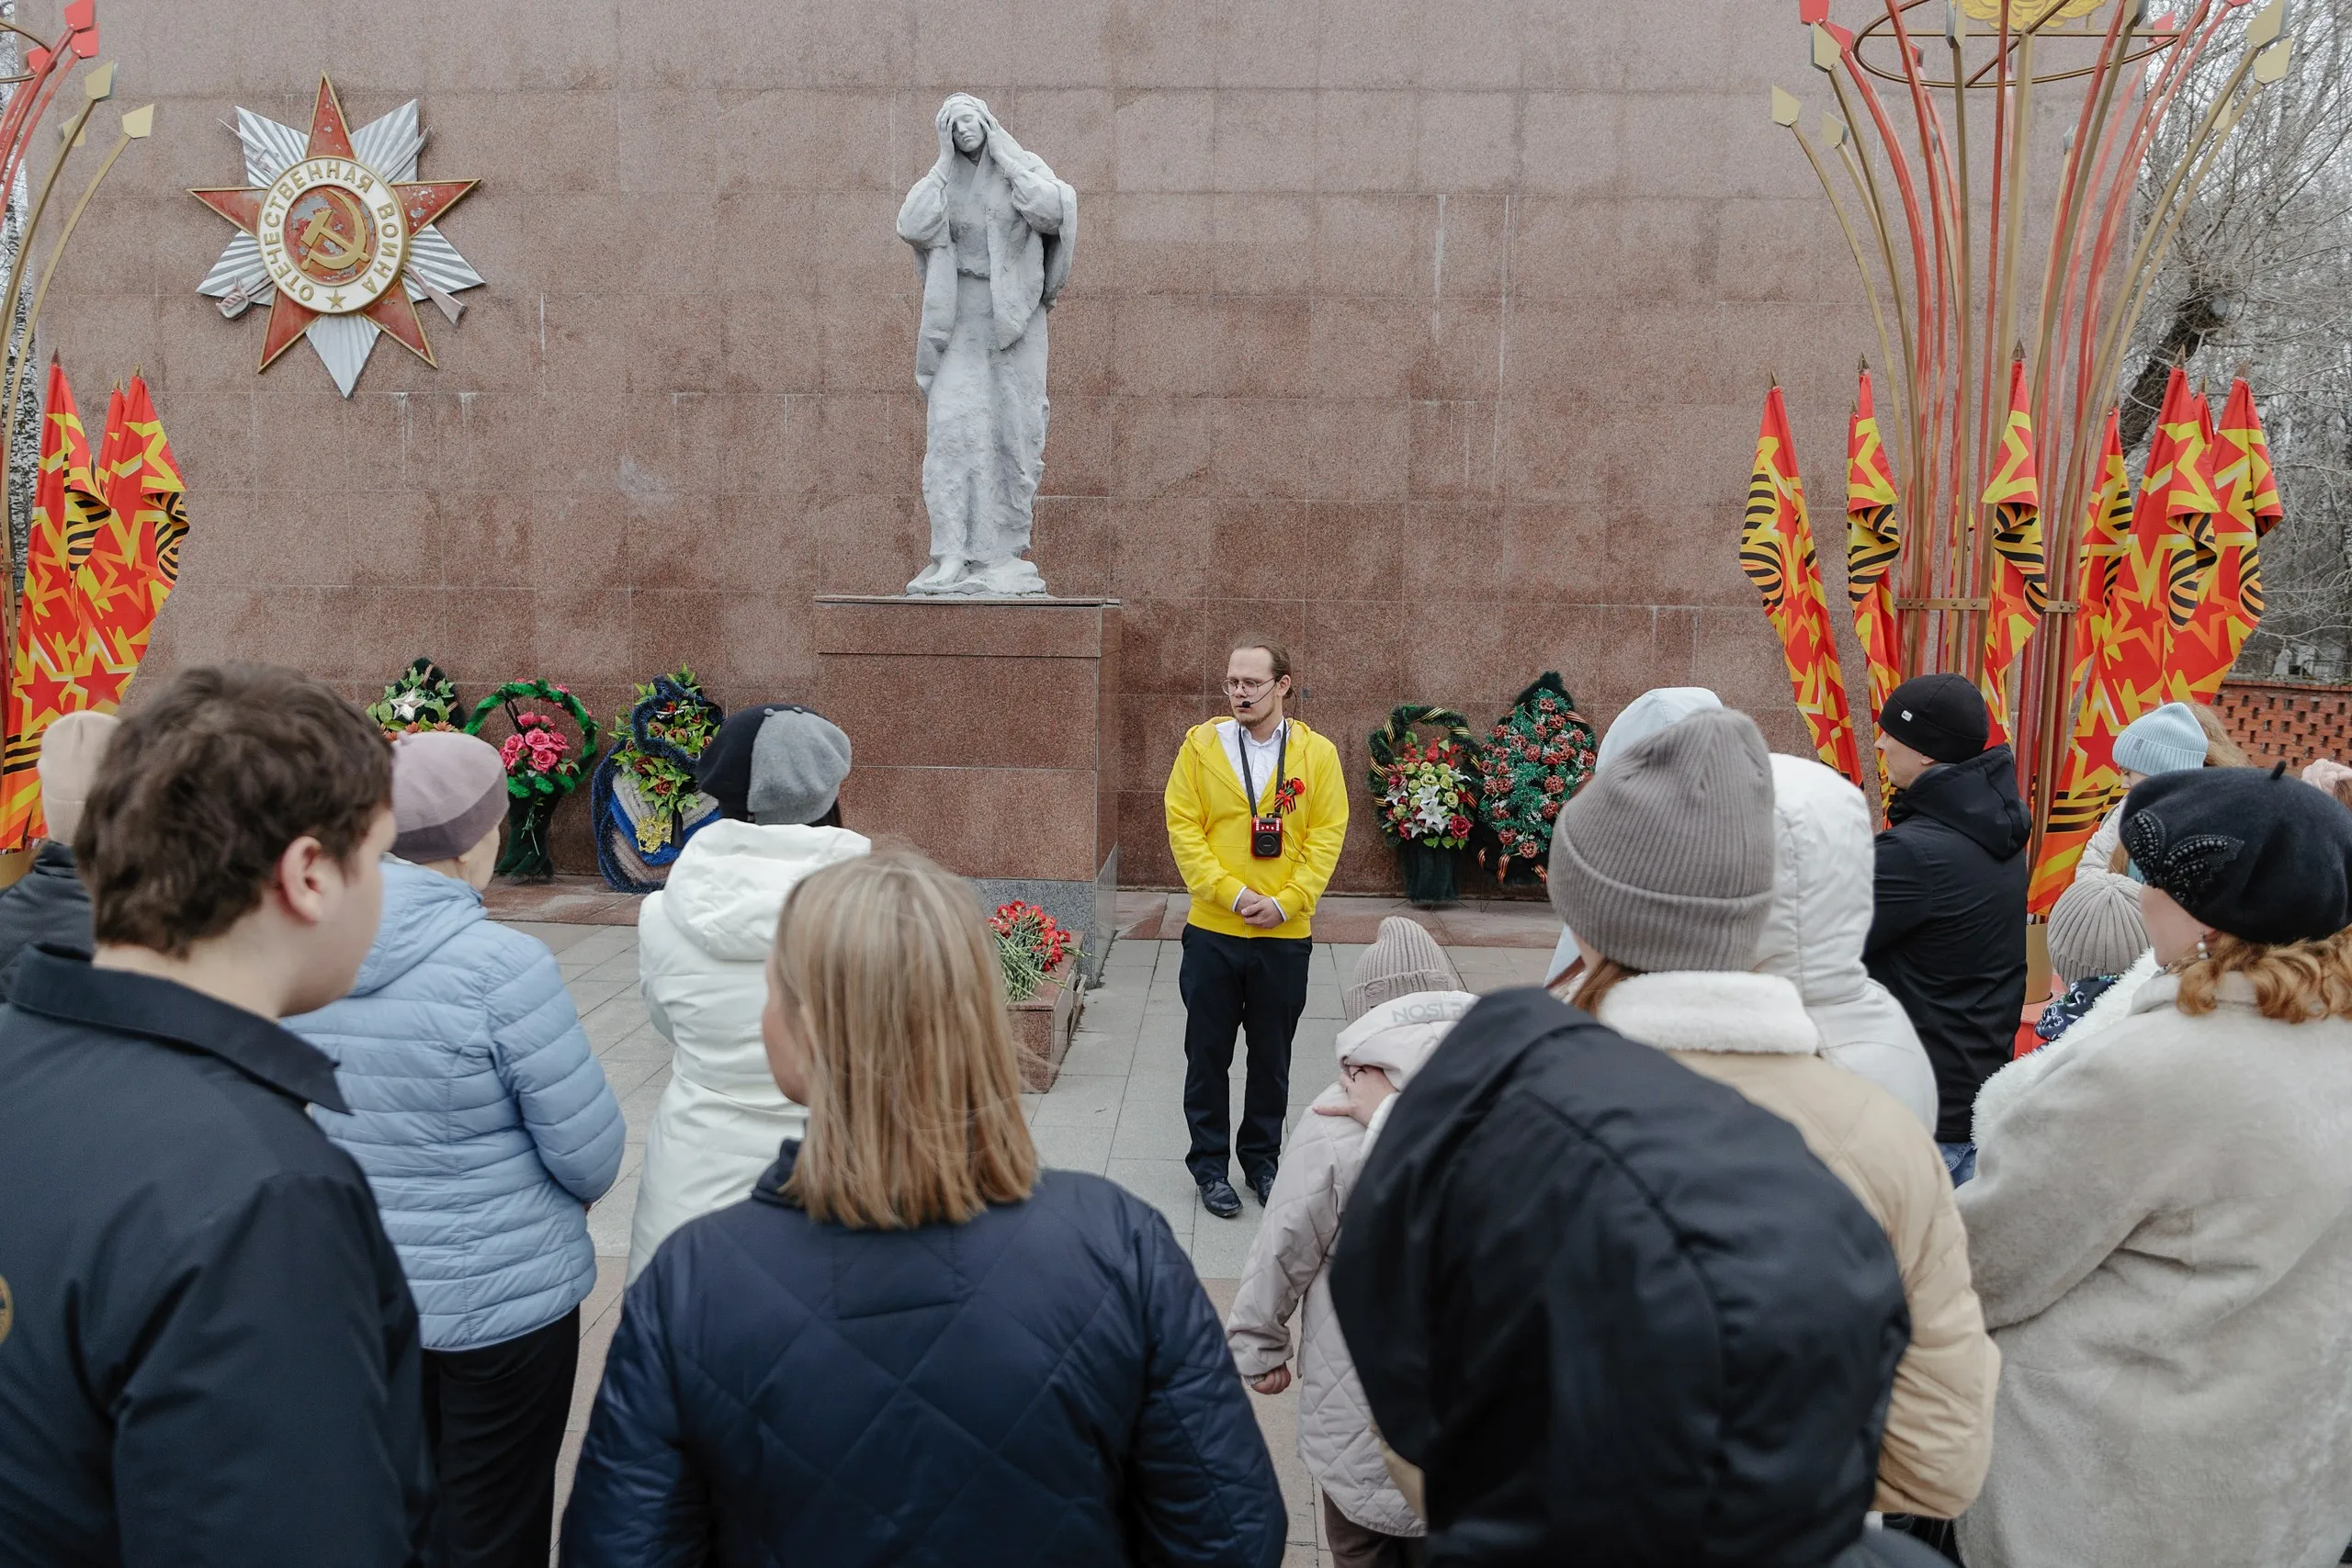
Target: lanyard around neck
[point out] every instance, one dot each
(1281, 757)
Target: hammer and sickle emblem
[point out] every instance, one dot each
(321, 242)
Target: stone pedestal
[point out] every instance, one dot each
(984, 732)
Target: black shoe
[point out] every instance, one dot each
(1218, 1197)
(1262, 1184)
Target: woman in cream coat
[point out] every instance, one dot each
(703, 945)
(2160, 1223)
(1668, 936)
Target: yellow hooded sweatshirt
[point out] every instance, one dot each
(1208, 830)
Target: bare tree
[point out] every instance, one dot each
(2261, 274)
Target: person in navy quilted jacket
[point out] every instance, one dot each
(908, 1346)
(486, 1128)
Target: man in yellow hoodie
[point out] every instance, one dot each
(1257, 810)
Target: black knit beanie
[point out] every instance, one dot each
(1939, 716)
(2246, 850)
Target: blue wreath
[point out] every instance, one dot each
(624, 865)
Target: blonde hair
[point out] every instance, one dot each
(2220, 751)
(1590, 988)
(2293, 982)
(888, 978)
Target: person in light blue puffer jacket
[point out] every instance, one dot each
(485, 1128)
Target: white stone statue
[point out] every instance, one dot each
(992, 231)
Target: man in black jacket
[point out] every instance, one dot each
(207, 1352)
(1615, 1312)
(49, 904)
(1948, 932)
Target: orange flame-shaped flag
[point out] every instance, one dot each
(2086, 786)
(2107, 539)
(2190, 506)
(44, 672)
(2130, 646)
(1871, 545)
(1776, 551)
(134, 563)
(2246, 498)
(2020, 572)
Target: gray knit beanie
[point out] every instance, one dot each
(2095, 927)
(798, 760)
(1664, 860)
(1402, 960)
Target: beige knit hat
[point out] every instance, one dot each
(1403, 959)
(448, 792)
(1664, 859)
(71, 748)
(2095, 927)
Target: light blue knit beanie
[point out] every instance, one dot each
(2168, 740)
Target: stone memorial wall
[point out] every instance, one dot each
(1428, 338)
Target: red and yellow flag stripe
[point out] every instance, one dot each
(2131, 645)
(132, 566)
(46, 665)
(2246, 507)
(2019, 584)
(1873, 543)
(1776, 551)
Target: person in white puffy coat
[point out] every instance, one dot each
(703, 945)
(1402, 999)
(1823, 862)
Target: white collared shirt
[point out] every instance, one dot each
(1265, 756)
(1265, 762)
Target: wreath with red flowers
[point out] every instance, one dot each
(1423, 790)
(1538, 756)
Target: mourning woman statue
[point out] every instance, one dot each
(992, 231)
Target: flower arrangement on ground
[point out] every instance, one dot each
(646, 801)
(543, 765)
(1539, 754)
(1424, 793)
(420, 698)
(1030, 944)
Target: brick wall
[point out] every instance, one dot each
(2279, 722)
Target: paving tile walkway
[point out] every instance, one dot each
(1118, 1109)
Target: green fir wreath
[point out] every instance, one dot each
(1538, 756)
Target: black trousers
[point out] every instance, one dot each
(495, 1419)
(1256, 985)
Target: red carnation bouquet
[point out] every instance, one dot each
(1030, 944)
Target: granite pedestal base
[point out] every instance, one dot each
(984, 732)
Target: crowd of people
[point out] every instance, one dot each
(1778, 1230)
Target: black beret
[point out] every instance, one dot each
(2246, 850)
(723, 772)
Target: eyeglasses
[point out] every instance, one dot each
(1241, 688)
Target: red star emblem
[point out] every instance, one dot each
(335, 238)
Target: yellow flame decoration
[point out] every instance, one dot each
(2028, 12)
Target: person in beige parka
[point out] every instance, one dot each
(1698, 795)
(1400, 1001)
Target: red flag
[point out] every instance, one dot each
(2247, 496)
(2190, 507)
(1871, 545)
(1776, 551)
(2132, 644)
(44, 674)
(134, 563)
(2020, 572)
